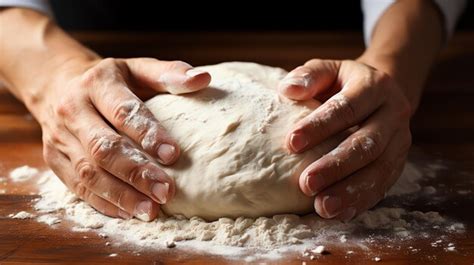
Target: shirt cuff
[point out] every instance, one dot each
(374, 9)
(38, 5)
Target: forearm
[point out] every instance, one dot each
(405, 43)
(32, 49)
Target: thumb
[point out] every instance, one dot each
(175, 77)
(314, 79)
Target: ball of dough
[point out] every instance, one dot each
(233, 160)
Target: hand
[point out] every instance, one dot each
(356, 175)
(93, 123)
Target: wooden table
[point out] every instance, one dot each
(443, 130)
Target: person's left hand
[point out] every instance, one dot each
(356, 175)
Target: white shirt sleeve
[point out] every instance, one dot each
(38, 5)
(373, 10)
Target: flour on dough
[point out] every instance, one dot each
(232, 133)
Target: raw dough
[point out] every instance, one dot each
(231, 134)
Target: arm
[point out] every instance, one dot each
(406, 51)
(372, 97)
(85, 104)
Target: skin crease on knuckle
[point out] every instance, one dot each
(339, 108)
(67, 107)
(89, 178)
(368, 146)
(135, 170)
(134, 115)
(102, 147)
(86, 172)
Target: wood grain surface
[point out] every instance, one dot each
(443, 132)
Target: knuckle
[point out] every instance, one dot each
(66, 108)
(102, 148)
(54, 136)
(119, 196)
(91, 76)
(81, 191)
(108, 62)
(369, 145)
(104, 69)
(136, 174)
(315, 126)
(178, 64)
(342, 109)
(124, 114)
(313, 62)
(384, 79)
(153, 136)
(86, 172)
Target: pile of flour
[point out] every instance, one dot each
(277, 234)
(23, 173)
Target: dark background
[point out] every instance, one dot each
(220, 15)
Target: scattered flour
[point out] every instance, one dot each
(452, 248)
(464, 192)
(263, 237)
(429, 190)
(21, 215)
(319, 250)
(23, 173)
(49, 219)
(269, 236)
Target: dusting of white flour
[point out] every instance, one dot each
(268, 236)
(23, 173)
(21, 215)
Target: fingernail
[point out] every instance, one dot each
(300, 80)
(166, 153)
(347, 214)
(332, 205)
(161, 190)
(298, 141)
(142, 211)
(314, 183)
(194, 72)
(123, 214)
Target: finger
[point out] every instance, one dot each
(365, 188)
(175, 77)
(355, 152)
(118, 156)
(127, 113)
(100, 204)
(357, 99)
(108, 187)
(113, 189)
(314, 78)
(61, 166)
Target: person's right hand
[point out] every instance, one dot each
(95, 128)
